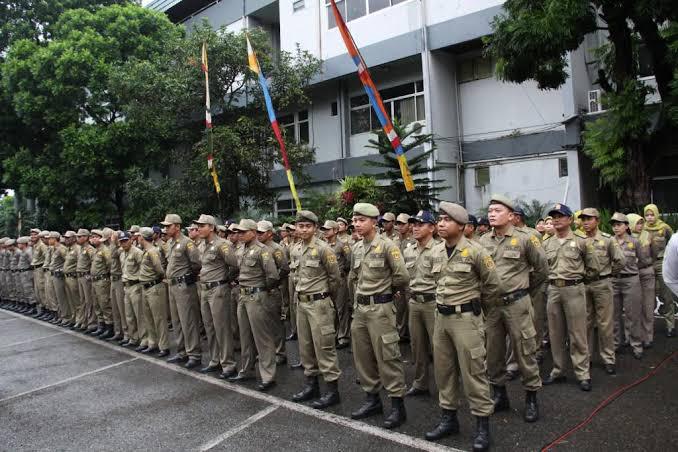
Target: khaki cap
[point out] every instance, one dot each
(291, 227)
(342, 220)
(23, 240)
(146, 232)
(306, 215)
(619, 217)
(134, 228)
(264, 226)
(221, 228)
(54, 235)
(389, 216)
(82, 233)
(246, 225)
(35, 231)
(171, 218)
(366, 209)
(233, 227)
(3, 240)
(69, 234)
(108, 232)
(590, 212)
(403, 218)
(44, 234)
(329, 224)
(206, 219)
(10, 242)
(454, 211)
(98, 232)
(501, 199)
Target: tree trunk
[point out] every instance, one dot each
(638, 189)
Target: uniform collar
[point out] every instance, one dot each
(509, 232)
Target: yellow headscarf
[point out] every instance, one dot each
(658, 224)
(642, 236)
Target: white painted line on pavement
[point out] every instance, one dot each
(9, 320)
(332, 418)
(31, 340)
(68, 380)
(238, 428)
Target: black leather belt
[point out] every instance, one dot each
(130, 283)
(514, 296)
(36, 266)
(58, 274)
(82, 274)
(71, 275)
(565, 282)
(445, 309)
(376, 299)
(149, 284)
(187, 279)
(626, 275)
(423, 297)
(589, 280)
(116, 277)
(24, 270)
(313, 297)
(250, 290)
(100, 277)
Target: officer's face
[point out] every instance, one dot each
(590, 224)
(34, 237)
(540, 227)
(639, 226)
(649, 217)
(305, 230)
(126, 244)
(448, 228)
(499, 215)
(387, 225)
(561, 222)
(548, 227)
(342, 227)
(422, 230)
(469, 229)
(329, 233)
(204, 230)
(53, 242)
(364, 225)
(264, 236)
(193, 233)
(248, 236)
(95, 240)
(403, 228)
(173, 230)
(283, 234)
(619, 228)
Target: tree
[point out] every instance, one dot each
(531, 41)
(397, 198)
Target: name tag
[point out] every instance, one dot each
(312, 263)
(464, 268)
(512, 254)
(375, 264)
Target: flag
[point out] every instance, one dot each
(208, 120)
(254, 66)
(375, 98)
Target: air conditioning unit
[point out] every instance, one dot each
(595, 101)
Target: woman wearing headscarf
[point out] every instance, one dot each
(646, 259)
(660, 233)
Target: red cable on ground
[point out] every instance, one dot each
(607, 401)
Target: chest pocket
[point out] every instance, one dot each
(376, 263)
(511, 254)
(250, 262)
(461, 267)
(312, 263)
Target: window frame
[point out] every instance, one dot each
(296, 123)
(474, 68)
(563, 170)
(389, 104)
(476, 172)
(342, 5)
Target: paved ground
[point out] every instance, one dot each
(60, 390)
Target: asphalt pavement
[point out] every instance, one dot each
(62, 390)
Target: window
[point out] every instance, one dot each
(296, 126)
(475, 69)
(562, 167)
(297, 5)
(404, 103)
(285, 208)
(353, 9)
(335, 109)
(482, 176)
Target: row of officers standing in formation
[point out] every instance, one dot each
(478, 307)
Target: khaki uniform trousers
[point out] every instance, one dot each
(275, 296)
(376, 349)
(343, 304)
(538, 298)
(459, 353)
(235, 327)
(215, 306)
(155, 316)
(627, 305)
(72, 297)
(27, 281)
(39, 286)
(422, 318)
(647, 293)
(516, 321)
(85, 315)
(118, 307)
(102, 294)
(316, 332)
(50, 295)
(185, 312)
(665, 295)
(600, 316)
(401, 303)
(293, 305)
(258, 318)
(134, 314)
(566, 310)
(60, 294)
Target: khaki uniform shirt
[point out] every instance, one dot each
(659, 239)
(315, 267)
(281, 260)
(218, 261)
(25, 259)
(151, 265)
(131, 263)
(572, 259)
(515, 254)
(14, 259)
(101, 261)
(58, 258)
(183, 257)
(38, 254)
(468, 273)
(343, 252)
(85, 258)
(71, 261)
(377, 267)
(47, 265)
(610, 256)
(630, 247)
(163, 249)
(646, 251)
(116, 267)
(419, 263)
(258, 268)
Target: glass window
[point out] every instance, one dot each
(376, 5)
(421, 108)
(475, 69)
(395, 2)
(465, 71)
(355, 9)
(482, 176)
(360, 120)
(562, 167)
(303, 115)
(297, 5)
(483, 67)
(303, 132)
(286, 120)
(404, 102)
(341, 6)
(404, 111)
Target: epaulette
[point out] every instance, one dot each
(605, 234)
(581, 234)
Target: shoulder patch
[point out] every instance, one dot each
(225, 249)
(630, 245)
(331, 258)
(265, 255)
(190, 245)
(395, 253)
(535, 241)
(489, 263)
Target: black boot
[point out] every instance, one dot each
(371, 407)
(531, 408)
(108, 333)
(500, 398)
(397, 415)
(310, 390)
(331, 397)
(481, 438)
(100, 329)
(449, 425)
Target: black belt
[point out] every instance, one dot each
(514, 296)
(58, 274)
(36, 266)
(149, 284)
(71, 275)
(313, 297)
(592, 279)
(130, 283)
(250, 290)
(82, 274)
(24, 270)
(116, 277)
(626, 275)
(100, 277)
(45, 270)
(445, 309)
(423, 297)
(187, 279)
(565, 282)
(376, 299)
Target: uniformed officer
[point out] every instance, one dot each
(219, 268)
(626, 287)
(377, 268)
(71, 277)
(387, 223)
(130, 261)
(341, 300)
(183, 267)
(237, 246)
(50, 297)
(517, 254)
(258, 315)
(342, 231)
(466, 279)
(570, 257)
(25, 275)
(422, 297)
(151, 276)
(403, 240)
(291, 310)
(57, 269)
(483, 227)
(646, 259)
(101, 282)
(470, 228)
(599, 293)
(37, 261)
(86, 318)
(117, 292)
(316, 280)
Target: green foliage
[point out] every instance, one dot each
(534, 210)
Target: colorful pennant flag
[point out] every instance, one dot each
(375, 98)
(254, 66)
(208, 121)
